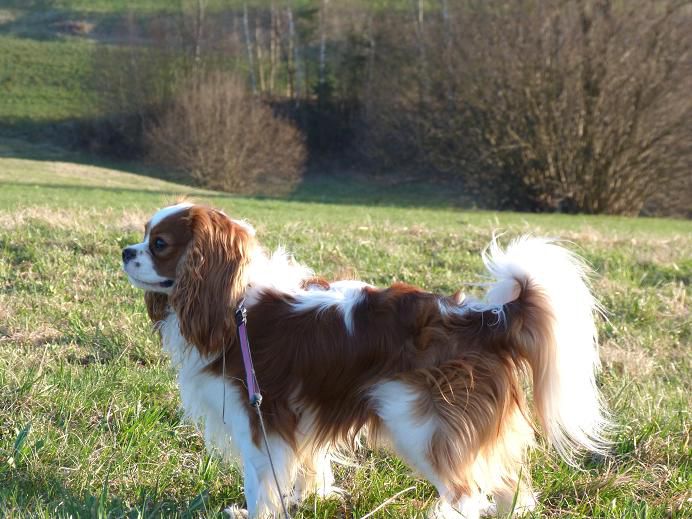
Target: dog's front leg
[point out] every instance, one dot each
(261, 490)
(251, 487)
(261, 494)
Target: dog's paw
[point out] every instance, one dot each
(487, 508)
(235, 512)
(330, 491)
(466, 508)
(297, 497)
(526, 504)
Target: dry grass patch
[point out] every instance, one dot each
(39, 336)
(627, 357)
(83, 220)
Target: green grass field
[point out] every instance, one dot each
(44, 81)
(89, 418)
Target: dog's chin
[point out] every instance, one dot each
(165, 286)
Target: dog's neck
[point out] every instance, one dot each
(276, 271)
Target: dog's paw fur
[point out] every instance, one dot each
(487, 508)
(235, 512)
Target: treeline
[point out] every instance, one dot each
(571, 105)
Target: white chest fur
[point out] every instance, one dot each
(229, 434)
(202, 396)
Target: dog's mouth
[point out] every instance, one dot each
(166, 283)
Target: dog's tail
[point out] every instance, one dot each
(541, 292)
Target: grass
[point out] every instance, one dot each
(44, 81)
(89, 418)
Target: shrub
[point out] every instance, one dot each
(567, 104)
(225, 138)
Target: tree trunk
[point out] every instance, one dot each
(323, 48)
(260, 56)
(295, 50)
(197, 31)
(248, 47)
(273, 47)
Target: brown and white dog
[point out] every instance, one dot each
(437, 378)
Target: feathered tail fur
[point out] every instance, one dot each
(550, 311)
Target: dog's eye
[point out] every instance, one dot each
(159, 244)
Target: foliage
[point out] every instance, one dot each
(569, 105)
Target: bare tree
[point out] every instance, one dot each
(260, 55)
(296, 71)
(586, 101)
(274, 44)
(193, 23)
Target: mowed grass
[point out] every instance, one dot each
(89, 412)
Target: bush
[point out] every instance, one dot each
(564, 104)
(225, 138)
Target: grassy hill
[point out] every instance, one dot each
(89, 419)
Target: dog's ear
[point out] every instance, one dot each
(211, 279)
(157, 306)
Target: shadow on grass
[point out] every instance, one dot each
(320, 184)
(116, 189)
(322, 190)
(382, 190)
(52, 141)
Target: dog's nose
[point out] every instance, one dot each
(128, 254)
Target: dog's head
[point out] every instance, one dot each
(193, 260)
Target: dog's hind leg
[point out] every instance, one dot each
(500, 467)
(412, 435)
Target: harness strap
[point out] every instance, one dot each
(253, 390)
